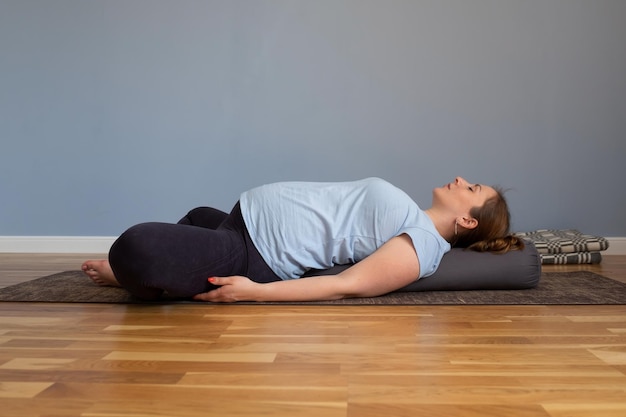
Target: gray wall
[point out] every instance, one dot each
(117, 112)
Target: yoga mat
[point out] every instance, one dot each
(578, 287)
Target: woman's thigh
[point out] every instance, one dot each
(150, 258)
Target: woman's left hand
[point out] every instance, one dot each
(231, 289)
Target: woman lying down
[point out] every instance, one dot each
(277, 232)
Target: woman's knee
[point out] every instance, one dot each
(135, 252)
(207, 217)
(134, 243)
(132, 258)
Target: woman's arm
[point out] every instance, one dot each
(393, 266)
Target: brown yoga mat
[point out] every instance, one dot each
(579, 287)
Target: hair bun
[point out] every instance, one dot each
(499, 245)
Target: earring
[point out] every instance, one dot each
(456, 228)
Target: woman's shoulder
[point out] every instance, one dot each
(384, 191)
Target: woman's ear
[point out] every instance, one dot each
(467, 222)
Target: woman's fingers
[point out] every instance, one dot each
(230, 289)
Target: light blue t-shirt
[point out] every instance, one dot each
(297, 226)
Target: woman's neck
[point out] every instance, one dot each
(443, 223)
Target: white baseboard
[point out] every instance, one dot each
(101, 244)
(56, 244)
(617, 246)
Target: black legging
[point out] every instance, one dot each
(151, 258)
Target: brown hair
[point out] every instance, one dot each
(492, 233)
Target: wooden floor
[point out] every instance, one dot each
(198, 360)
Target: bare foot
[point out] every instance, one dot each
(100, 272)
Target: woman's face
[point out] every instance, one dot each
(460, 196)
